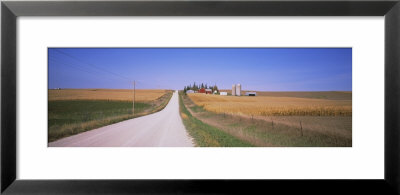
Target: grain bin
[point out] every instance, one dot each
(238, 89)
(233, 90)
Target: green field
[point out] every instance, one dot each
(78, 111)
(69, 117)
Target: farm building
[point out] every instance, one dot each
(223, 93)
(202, 90)
(208, 91)
(238, 90)
(189, 91)
(251, 93)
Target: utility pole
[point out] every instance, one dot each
(133, 105)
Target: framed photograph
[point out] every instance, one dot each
(222, 97)
(286, 97)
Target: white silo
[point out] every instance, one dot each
(233, 90)
(238, 89)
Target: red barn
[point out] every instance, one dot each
(202, 90)
(208, 91)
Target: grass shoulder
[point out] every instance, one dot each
(206, 135)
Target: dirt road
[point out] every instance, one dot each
(164, 128)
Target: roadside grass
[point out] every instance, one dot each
(206, 135)
(267, 132)
(70, 117)
(279, 131)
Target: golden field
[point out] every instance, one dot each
(272, 106)
(105, 94)
(332, 95)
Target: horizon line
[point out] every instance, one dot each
(219, 90)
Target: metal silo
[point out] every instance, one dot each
(233, 90)
(238, 89)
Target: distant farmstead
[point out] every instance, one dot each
(213, 89)
(203, 88)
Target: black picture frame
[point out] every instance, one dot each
(11, 10)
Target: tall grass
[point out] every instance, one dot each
(205, 135)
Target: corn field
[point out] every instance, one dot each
(272, 106)
(105, 94)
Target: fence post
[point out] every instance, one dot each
(301, 129)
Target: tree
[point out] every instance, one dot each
(202, 86)
(195, 87)
(215, 88)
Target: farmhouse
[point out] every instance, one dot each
(201, 89)
(251, 93)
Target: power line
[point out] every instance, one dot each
(95, 71)
(89, 64)
(70, 65)
(74, 64)
(79, 68)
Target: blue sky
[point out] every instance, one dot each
(262, 69)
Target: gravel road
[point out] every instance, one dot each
(161, 129)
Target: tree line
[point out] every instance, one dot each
(196, 87)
